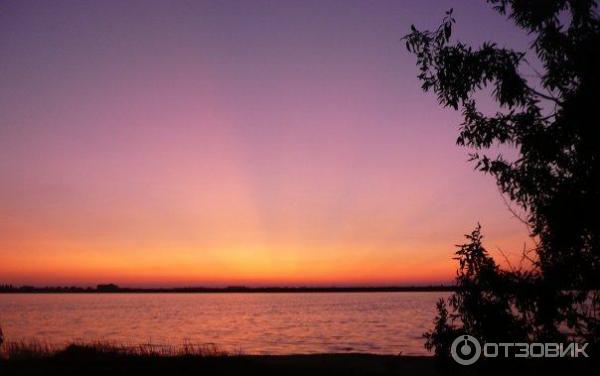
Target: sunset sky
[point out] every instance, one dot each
(234, 142)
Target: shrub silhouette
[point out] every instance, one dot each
(547, 101)
(483, 302)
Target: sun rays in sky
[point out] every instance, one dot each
(178, 144)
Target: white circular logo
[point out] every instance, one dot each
(465, 350)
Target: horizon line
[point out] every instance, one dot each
(104, 288)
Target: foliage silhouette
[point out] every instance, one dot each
(484, 302)
(547, 101)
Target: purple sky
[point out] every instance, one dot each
(258, 142)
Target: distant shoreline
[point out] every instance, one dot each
(112, 289)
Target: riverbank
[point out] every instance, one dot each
(96, 360)
(323, 364)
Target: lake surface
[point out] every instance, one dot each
(256, 323)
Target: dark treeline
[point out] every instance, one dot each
(112, 288)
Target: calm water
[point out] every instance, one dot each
(252, 323)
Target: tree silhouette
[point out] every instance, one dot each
(547, 101)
